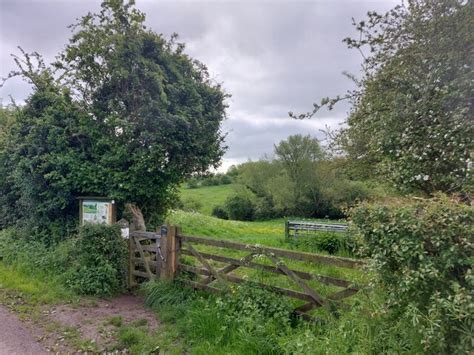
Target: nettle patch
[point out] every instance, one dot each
(100, 267)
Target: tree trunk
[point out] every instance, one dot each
(138, 222)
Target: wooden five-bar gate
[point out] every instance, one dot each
(161, 255)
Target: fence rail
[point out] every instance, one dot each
(159, 255)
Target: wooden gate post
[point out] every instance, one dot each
(169, 251)
(131, 256)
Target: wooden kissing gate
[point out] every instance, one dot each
(158, 255)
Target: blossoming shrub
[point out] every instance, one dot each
(422, 252)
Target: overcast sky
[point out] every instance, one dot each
(271, 56)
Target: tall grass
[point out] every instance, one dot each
(91, 263)
(34, 270)
(253, 321)
(37, 288)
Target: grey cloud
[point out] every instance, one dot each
(272, 56)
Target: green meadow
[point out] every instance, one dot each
(208, 196)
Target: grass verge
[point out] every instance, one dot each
(35, 288)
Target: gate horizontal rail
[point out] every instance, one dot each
(209, 274)
(295, 255)
(144, 261)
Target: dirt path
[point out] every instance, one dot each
(65, 329)
(15, 338)
(94, 322)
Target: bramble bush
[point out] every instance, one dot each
(240, 206)
(220, 212)
(100, 267)
(422, 253)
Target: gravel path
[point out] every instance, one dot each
(15, 337)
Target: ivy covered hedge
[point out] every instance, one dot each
(422, 252)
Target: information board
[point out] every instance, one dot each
(96, 211)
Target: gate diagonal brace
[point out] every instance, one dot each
(309, 291)
(207, 265)
(145, 261)
(227, 269)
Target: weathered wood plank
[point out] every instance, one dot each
(310, 226)
(304, 275)
(149, 248)
(295, 255)
(139, 261)
(130, 267)
(142, 255)
(145, 235)
(229, 268)
(343, 294)
(238, 280)
(159, 256)
(300, 311)
(298, 281)
(141, 274)
(224, 270)
(204, 262)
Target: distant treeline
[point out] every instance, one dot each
(301, 180)
(213, 179)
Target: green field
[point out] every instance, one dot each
(208, 196)
(270, 233)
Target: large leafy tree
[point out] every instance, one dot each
(412, 118)
(144, 113)
(7, 119)
(157, 113)
(298, 156)
(44, 157)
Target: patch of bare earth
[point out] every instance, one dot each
(94, 321)
(87, 327)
